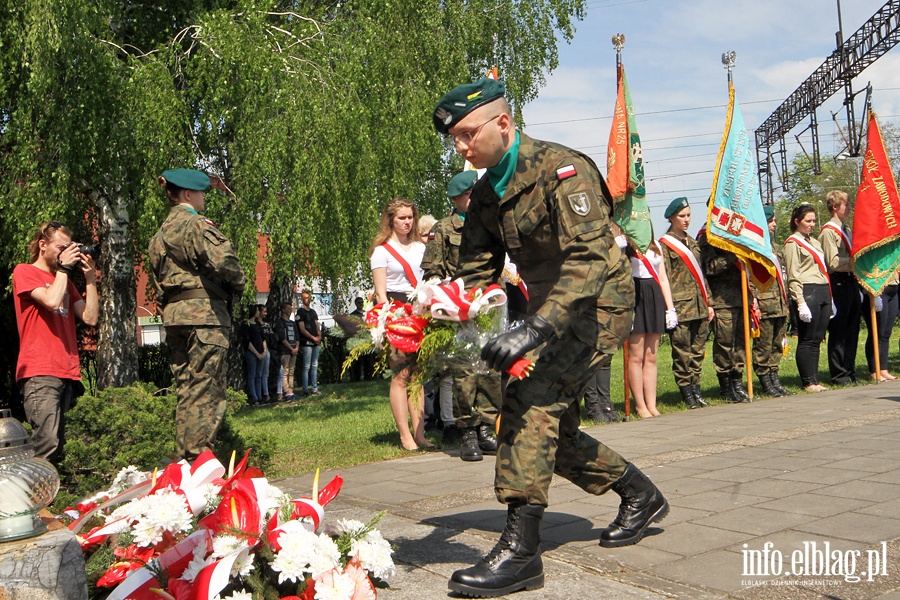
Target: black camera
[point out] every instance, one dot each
(90, 249)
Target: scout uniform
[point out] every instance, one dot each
(196, 274)
(773, 308)
(843, 329)
(476, 396)
(690, 297)
(547, 206)
(724, 278)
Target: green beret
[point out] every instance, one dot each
(461, 183)
(187, 179)
(769, 211)
(463, 99)
(676, 206)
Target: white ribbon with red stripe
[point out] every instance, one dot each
(451, 302)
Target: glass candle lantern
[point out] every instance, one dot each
(27, 484)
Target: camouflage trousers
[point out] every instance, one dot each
(688, 348)
(539, 433)
(197, 356)
(476, 397)
(767, 349)
(729, 354)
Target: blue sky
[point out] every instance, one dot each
(678, 84)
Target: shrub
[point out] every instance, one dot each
(133, 426)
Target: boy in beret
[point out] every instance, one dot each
(548, 207)
(473, 398)
(690, 293)
(196, 274)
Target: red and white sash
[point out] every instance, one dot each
(779, 276)
(407, 268)
(649, 266)
(840, 231)
(818, 257)
(688, 258)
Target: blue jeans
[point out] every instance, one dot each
(254, 376)
(264, 367)
(309, 372)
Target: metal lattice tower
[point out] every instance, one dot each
(877, 35)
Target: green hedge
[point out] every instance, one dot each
(133, 426)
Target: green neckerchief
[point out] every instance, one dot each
(462, 215)
(500, 174)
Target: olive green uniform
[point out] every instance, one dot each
(773, 308)
(476, 396)
(554, 224)
(196, 271)
(689, 336)
(724, 278)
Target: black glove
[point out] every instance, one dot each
(502, 351)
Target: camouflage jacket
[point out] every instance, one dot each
(686, 294)
(772, 302)
(722, 274)
(553, 221)
(442, 251)
(195, 270)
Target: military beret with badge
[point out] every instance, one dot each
(463, 99)
(769, 211)
(676, 206)
(461, 183)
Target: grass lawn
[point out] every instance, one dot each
(351, 423)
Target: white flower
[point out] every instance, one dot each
(304, 553)
(197, 563)
(125, 479)
(350, 527)
(238, 595)
(152, 516)
(223, 545)
(336, 587)
(374, 554)
(211, 497)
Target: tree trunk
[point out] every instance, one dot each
(117, 358)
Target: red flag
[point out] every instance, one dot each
(876, 217)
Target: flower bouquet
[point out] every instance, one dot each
(443, 323)
(193, 533)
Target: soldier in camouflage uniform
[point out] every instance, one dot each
(548, 207)
(476, 396)
(773, 307)
(729, 355)
(690, 296)
(196, 275)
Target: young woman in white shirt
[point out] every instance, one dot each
(396, 272)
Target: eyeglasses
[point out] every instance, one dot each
(467, 136)
(45, 230)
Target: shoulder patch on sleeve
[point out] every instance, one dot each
(431, 234)
(565, 172)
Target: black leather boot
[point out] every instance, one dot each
(768, 386)
(487, 441)
(740, 395)
(468, 447)
(698, 396)
(783, 390)
(515, 562)
(687, 394)
(726, 387)
(642, 504)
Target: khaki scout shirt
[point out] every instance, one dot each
(442, 251)
(837, 255)
(189, 256)
(686, 293)
(556, 231)
(801, 268)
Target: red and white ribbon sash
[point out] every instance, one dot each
(818, 257)
(407, 268)
(451, 302)
(690, 261)
(649, 266)
(840, 231)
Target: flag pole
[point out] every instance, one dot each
(729, 59)
(874, 334)
(618, 42)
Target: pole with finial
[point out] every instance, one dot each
(728, 59)
(618, 42)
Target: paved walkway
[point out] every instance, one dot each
(811, 475)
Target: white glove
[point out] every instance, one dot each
(879, 303)
(621, 242)
(861, 296)
(671, 319)
(804, 313)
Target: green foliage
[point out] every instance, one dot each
(133, 426)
